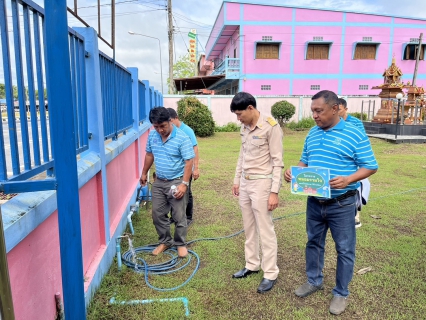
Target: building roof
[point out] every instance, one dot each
(194, 83)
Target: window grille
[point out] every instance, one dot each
(265, 87)
(318, 38)
(363, 87)
(266, 38)
(315, 87)
(367, 39)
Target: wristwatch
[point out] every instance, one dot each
(185, 183)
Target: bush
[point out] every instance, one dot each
(196, 115)
(358, 115)
(304, 124)
(283, 111)
(230, 127)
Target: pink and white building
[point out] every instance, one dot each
(282, 50)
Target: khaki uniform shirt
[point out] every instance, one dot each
(261, 151)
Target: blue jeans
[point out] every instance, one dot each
(339, 217)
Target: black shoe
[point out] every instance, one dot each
(243, 273)
(265, 285)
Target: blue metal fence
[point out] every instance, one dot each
(116, 84)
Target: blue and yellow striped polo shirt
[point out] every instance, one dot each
(342, 149)
(170, 156)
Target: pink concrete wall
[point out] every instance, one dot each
(216, 30)
(352, 85)
(409, 21)
(362, 18)
(35, 272)
(355, 34)
(142, 143)
(255, 33)
(278, 86)
(303, 87)
(318, 15)
(232, 11)
(305, 34)
(229, 48)
(92, 219)
(222, 115)
(122, 175)
(266, 13)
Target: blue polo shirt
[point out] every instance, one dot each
(342, 149)
(189, 132)
(170, 156)
(355, 122)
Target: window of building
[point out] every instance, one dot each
(363, 87)
(318, 38)
(317, 51)
(315, 87)
(267, 50)
(266, 38)
(367, 39)
(265, 87)
(410, 52)
(365, 51)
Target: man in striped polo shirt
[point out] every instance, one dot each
(343, 113)
(172, 152)
(347, 153)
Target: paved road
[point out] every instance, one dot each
(20, 148)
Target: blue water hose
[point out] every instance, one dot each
(175, 264)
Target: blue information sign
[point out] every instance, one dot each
(310, 181)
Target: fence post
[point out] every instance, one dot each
(300, 108)
(64, 152)
(6, 303)
(135, 111)
(95, 114)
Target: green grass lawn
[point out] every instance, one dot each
(393, 246)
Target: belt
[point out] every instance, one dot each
(161, 179)
(348, 194)
(257, 176)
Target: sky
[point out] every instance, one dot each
(149, 17)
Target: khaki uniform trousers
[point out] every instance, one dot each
(257, 220)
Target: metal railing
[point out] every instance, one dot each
(116, 89)
(142, 104)
(78, 81)
(230, 67)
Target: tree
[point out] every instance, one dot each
(196, 115)
(283, 111)
(183, 68)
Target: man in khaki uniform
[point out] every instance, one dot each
(257, 183)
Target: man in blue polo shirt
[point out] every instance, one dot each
(347, 153)
(365, 189)
(195, 171)
(343, 113)
(172, 152)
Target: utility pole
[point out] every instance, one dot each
(419, 50)
(170, 17)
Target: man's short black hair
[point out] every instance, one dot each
(159, 115)
(343, 102)
(172, 113)
(330, 97)
(241, 101)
